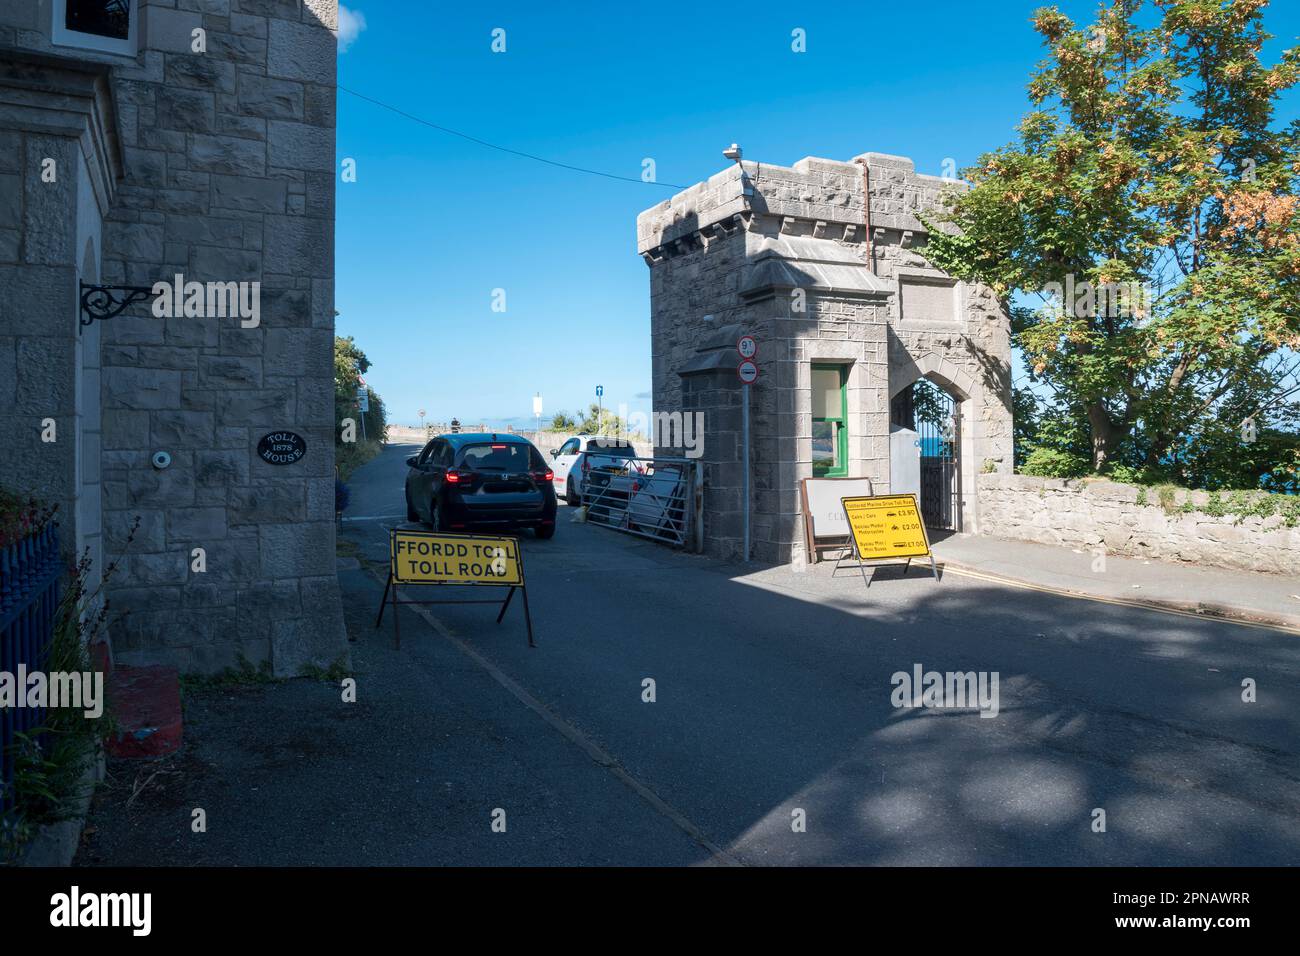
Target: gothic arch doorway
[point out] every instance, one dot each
(935, 415)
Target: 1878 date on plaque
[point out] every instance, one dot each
(281, 448)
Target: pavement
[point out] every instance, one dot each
(1271, 599)
(772, 737)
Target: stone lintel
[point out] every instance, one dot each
(43, 93)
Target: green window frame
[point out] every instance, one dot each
(830, 421)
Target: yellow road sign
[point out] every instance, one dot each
(886, 526)
(421, 557)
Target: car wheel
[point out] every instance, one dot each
(571, 495)
(411, 514)
(545, 531)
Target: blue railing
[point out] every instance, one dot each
(30, 572)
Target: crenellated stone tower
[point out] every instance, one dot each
(835, 290)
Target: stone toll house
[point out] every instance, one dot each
(837, 292)
(197, 139)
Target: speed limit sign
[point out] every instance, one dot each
(748, 372)
(747, 347)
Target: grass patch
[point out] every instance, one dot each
(336, 672)
(244, 674)
(1238, 505)
(349, 456)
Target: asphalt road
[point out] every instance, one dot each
(773, 696)
(772, 704)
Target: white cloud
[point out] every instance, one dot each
(351, 23)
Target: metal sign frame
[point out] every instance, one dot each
(390, 587)
(853, 540)
(813, 542)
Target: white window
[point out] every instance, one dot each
(111, 26)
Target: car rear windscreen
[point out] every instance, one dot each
(624, 451)
(501, 456)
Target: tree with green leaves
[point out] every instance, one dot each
(350, 363)
(1150, 203)
(601, 421)
(563, 422)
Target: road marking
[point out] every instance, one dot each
(593, 750)
(1104, 599)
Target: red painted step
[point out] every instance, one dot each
(146, 703)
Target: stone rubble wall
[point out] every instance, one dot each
(1090, 514)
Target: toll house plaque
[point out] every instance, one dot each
(281, 448)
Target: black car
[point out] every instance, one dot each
(463, 481)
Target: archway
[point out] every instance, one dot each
(935, 415)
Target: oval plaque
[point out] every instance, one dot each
(281, 448)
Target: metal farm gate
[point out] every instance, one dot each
(657, 498)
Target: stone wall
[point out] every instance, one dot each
(1127, 520)
(60, 161)
(227, 175)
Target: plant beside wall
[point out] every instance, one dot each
(21, 517)
(1045, 462)
(51, 762)
(355, 446)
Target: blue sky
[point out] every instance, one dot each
(434, 223)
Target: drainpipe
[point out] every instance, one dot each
(866, 211)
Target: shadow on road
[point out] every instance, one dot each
(772, 705)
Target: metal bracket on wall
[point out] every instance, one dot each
(107, 301)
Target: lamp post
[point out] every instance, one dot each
(537, 414)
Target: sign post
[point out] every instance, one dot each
(886, 527)
(363, 402)
(747, 372)
(474, 560)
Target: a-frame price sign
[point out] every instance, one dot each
(885, 528)
(454, 560)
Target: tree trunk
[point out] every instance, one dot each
(1104, 435)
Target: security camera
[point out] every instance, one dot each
(733, 153)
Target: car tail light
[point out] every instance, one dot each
(453, 476)
(547, 475)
